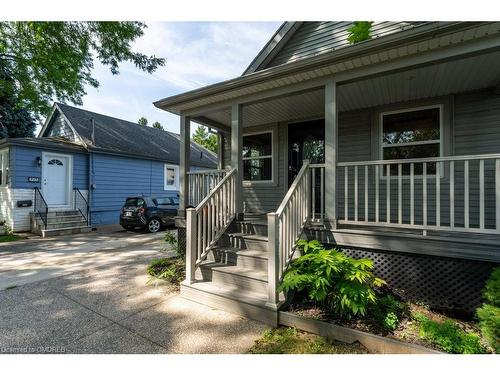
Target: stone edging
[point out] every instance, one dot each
(374, 343)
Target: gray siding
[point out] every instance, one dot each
(313, 38)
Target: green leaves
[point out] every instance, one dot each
(44, 61)
(489, 313)
(343, 283)
(359, 31)
(205, 139)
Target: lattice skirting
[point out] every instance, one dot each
(181, 239)
(442, 283)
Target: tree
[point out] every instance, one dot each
(54, 60)
(14, 122)
(359, 31)
(157, 125)
(205, 139)
(142, 121)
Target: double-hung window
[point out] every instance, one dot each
(412, 134)
(258, 157)
(171, 177)
(4, 167)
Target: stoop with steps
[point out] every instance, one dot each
(59, 223)
(234, 277)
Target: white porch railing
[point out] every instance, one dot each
(285, 227)
(458, 193)
(201, 183)
(208, 221)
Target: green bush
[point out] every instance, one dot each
(329, 277)
(168, 269)
(388, 311)
(489, 313)
(171, 239)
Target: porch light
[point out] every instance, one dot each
(38, 161)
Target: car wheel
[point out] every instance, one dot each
(154, 225)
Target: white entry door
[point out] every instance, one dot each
(56, 179)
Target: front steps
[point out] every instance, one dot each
(60, 223)
(235, 279)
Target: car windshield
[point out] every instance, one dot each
(134, 202)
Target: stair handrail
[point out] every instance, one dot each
(206, 223)
(81, 204)
(41, 208)
(285, 226)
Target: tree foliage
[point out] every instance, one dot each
(205, 139)
(359, 31)
(143, 121)
(157, 125)
(54, 60)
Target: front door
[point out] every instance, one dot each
(306, 140)
(56, 182)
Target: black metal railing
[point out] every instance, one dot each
(41, 208)
(81, 204)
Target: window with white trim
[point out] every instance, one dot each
(411, 134)
(171, 174)
(258, 157)
(4, 167)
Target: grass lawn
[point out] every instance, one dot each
(9, 238)
(292, 341)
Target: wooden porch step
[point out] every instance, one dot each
(232, 299)
(249, 279)
(255, 259)
(258, 227)
(245, 241)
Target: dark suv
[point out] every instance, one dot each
(150, 213)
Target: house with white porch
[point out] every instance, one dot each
(388, 149)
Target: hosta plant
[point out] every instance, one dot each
(331, 278)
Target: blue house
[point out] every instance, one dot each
(81, 168)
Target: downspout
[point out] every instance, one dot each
(91, 170)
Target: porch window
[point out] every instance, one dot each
(412, 134)
(171, 177)
(258, 157)
(4, 168)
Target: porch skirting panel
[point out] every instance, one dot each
(443, 283)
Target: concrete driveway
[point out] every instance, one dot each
(89, 294)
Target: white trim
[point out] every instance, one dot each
(175, 186)
(433, 141)
(272, 156)
(69, 179)
(4, 182)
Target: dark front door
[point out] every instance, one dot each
(306, 140)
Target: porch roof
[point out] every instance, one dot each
(340, 64)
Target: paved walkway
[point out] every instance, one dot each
(74, 296)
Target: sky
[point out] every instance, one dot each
(197, 54)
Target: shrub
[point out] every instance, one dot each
(171, 240)
(450, 337)
(359, 31)
(341, 283)
(489, 313)
(387, 312)
(168, 269)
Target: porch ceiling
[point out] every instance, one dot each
(448, 77)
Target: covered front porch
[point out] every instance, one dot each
(394, 150)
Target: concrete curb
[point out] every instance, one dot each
(374, 343)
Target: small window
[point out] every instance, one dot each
(412, 134)
(55, 162)
(4, 168)
(258, 157)
(171, 177)
(135, 202)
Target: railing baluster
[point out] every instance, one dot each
(412, 193)
(346, 193)
(438, 194)
(481, 194)
(321, 195)
(198, 242)
(388, 193)
(377, 193)
(366, 193)
(355, 193)
(466, 194)
(400, 195)
(497, 194)
(424, 193)
(452, 194)
(314, 194)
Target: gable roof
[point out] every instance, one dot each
(117, 136)
(298, 40)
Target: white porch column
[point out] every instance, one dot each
(236, 154)
(331, 135)
(185, 158)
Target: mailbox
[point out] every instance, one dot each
(26, 203)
